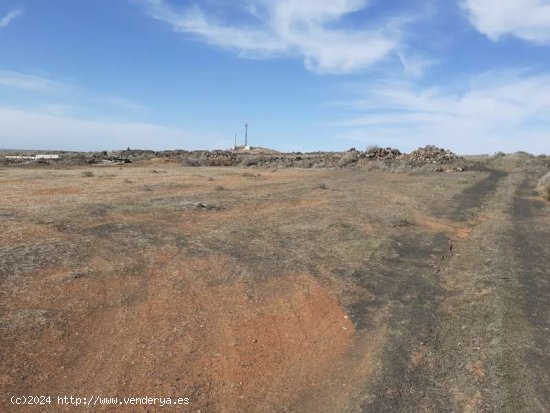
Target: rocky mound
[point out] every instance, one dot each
(433, 155)
(390, 157)
(383, 154)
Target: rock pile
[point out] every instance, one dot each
(432, 155)
(389, 157)
(383, 154)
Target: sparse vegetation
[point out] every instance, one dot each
(250, 160)
(362, 274)
(543, 186)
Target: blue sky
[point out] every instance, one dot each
(469, 75)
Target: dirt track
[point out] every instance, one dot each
(262, 291)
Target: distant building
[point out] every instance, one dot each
(43, 156)
(20, 157)
(32, 157)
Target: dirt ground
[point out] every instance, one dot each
(264, 290)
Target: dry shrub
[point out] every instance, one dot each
(373, 165)
(543, 186)
(220, 161)
(190, 162)
(518, 160)
(391, 217)
(87, 174)
(250, 160)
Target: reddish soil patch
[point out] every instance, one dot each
(231, 345)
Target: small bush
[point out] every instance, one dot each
(322, 186)
(376, 165)
(219, 188)
(543, 187)
(250, 160)
(87, 174)
(190, 162)
(220, 161)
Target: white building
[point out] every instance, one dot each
(32, 157)
(43, 156)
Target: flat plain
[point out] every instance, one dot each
(275, 290)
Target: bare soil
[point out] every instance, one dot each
(265, 290)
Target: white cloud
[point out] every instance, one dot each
(118, 102)
(35, 83)
(496, 111)
(64, 115)
(415, 66)
(525, 19)
(35, 130)
(70, 92)
(308, 28)
(7, 19)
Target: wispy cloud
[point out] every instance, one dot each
(312, 29)
(74, 97)
(54, 114)
(494, 111)
(7, 19)
(415, 65)
(122, 103)
(36, 130)
(526, 19)
(32, 82)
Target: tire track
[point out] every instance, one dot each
(490, 351)
(408, 378)
(532, 232)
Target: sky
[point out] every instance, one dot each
(306, 75)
